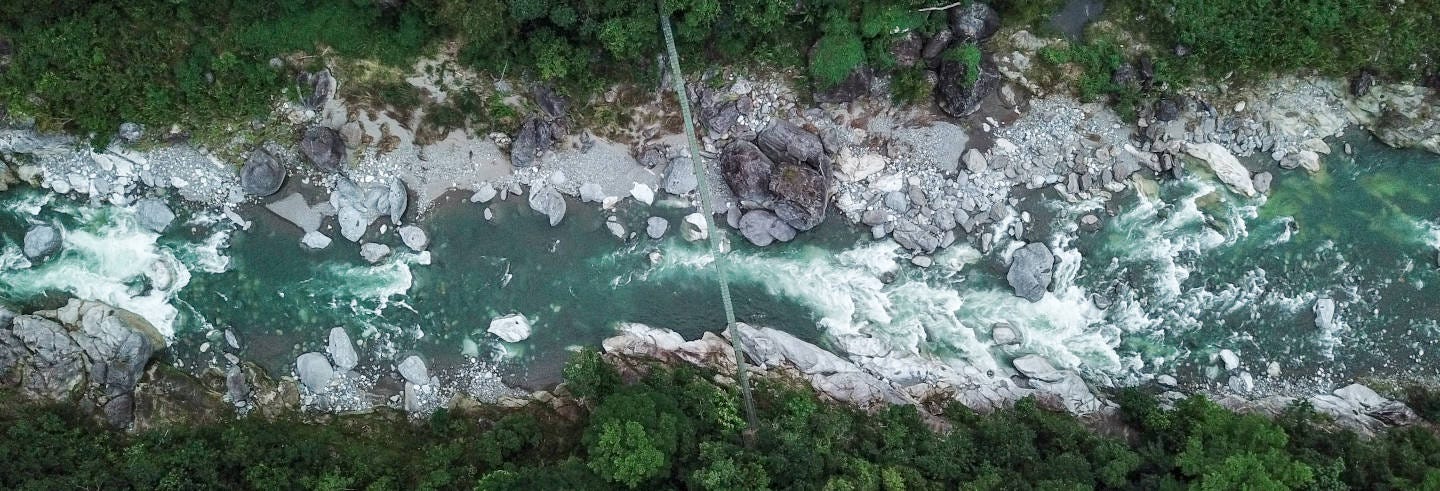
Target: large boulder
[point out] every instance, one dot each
(959, 93)
(315, 371)
(1324, 314)
(374, 253)
(356, 207)
(680, 177)
(975, 22)
(153, 214)
(262, 174)
(1225, 165)
(41, 241)
(747, 170)
(1030, 271)
(854, 86)
(85, 351)
(413, 370)
(655, 227)
(342, 350)
(414, 237)
(512, 328)
(762, 228)
(783, 141)
(324, 148)
(801, 194)
(548, 200)
(536, 136)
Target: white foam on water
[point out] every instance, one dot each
(369, 289)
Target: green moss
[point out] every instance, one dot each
(968, 55)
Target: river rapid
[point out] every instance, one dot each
(1184, 269)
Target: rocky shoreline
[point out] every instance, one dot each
(924, 180)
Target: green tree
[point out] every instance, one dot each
(625, 453)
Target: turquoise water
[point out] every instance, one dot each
(1190, 268)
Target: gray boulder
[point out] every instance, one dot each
(553, 105)
(413, 370)
(41, 241)
(680, 177)
(548, 200)
(315, 371)
(801, 195)
(655, 227)
(747, 171)
(342, 350)
(262, 174)
(414, 237)
(152, 214)
(763, 228)
(374, 253)
(1036, 367)
(1030, 271)
(974, 161)
(1325, 314)
(324, 148)
(399, 200)
(975, 22)
(783, 141)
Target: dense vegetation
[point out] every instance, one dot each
(675, 428)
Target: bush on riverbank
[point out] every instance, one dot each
(676, 428)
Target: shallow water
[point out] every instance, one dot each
(1189, 267)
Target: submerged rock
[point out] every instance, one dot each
(262, 174)
(1030, 270)
(41, 241)
(512, 328)
(153, 214)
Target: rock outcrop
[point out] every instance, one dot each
(262, 174)
(536, 137)
(86, 352)
(324, 148)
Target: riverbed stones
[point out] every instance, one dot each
(262, 174)
(413, 370)
(153, 214)
(342, 350)
(1030, 271)
(655, 227)
(41, 241)
(324, 148)
(511, 328)
(315, 371)
(484, 193)
(414, 237)
(374, 253)
(1226, 167)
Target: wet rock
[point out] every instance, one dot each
(958, 95)
(153, 214)
(324, 148)
(342, 350)
(655, 227)
(485, 193)
(783, 141)
(512, 328)
(549, 201)
(536, 136)
(1324, 314)
(975, 22)
(374, 253)
(694, 228)
(801, 195)
(41, 241)
(1030, 271)
(1003, 334)
(1304, 159)
(762, 228)
(413, 370)
(615, 229)
(262, 174)
(917, 237)
(315, 371)
(1100, 301)
(747, 171)
(414, 237)
(1262, 182)
(1229, 360)
(1036, 367)
(680, 177)
(922, 261)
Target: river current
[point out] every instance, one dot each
(1186, 267)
